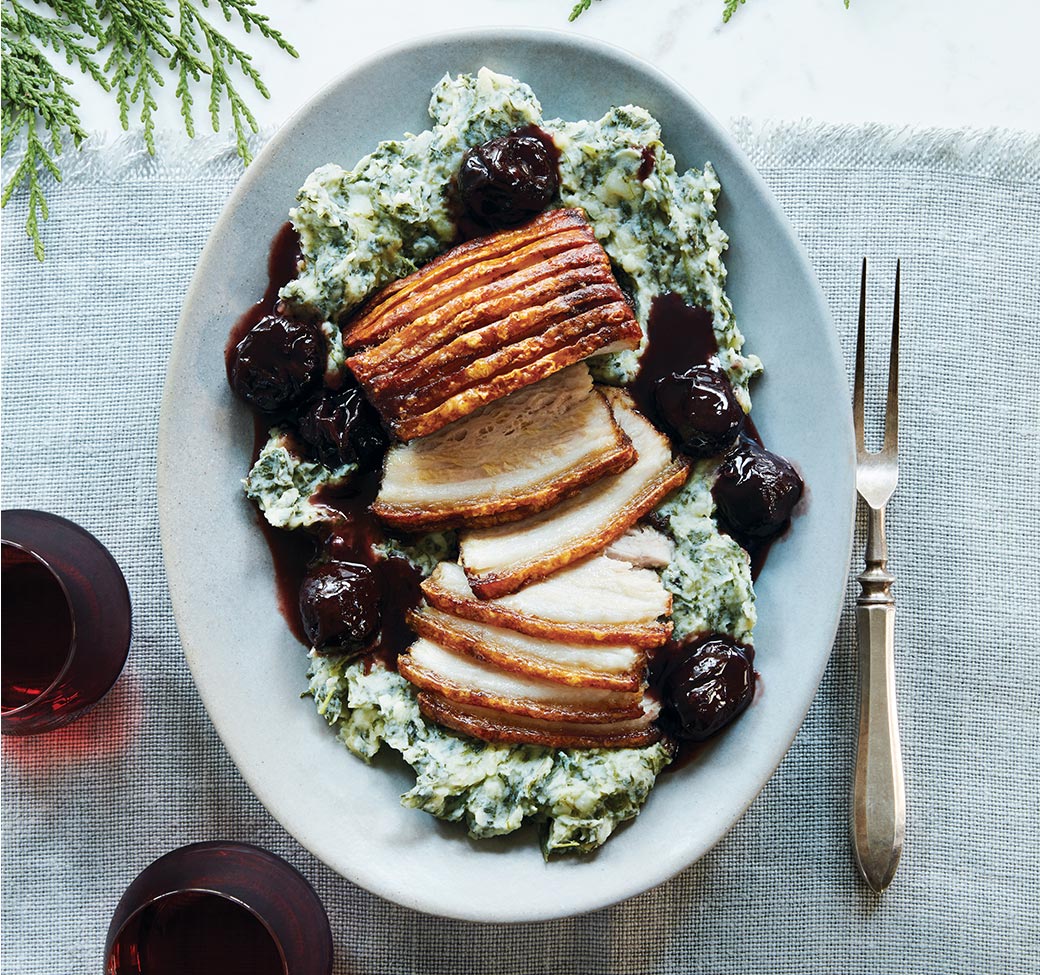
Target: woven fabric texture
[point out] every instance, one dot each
(86, 337)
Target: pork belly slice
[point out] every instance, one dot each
(501, 559)
(467, 680)
(497, 726)
(487, 318)
(512, 458)
(597, 600)
(581, 665)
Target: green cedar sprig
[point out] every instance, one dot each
(129, 48)
(729, 8)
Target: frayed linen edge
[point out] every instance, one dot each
(108, 157)
(997, 153)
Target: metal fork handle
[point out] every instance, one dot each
(878, 795)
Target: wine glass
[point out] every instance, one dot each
(219, 908)
(66, 622)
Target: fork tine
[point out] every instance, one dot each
(891, 445)
(857, 389)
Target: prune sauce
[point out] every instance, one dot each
(278, 363)
(466, 194)
(755, 494)
(355, 534)
(343, 427)
(739, 683)
(679, 336)
(282, 261)
(353, 539)
(701, 409)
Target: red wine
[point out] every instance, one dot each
(197, 911)
(196, 933)
(40, 692)
(35, 628)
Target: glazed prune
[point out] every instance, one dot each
(506, 181)
(701, 407)
(343, 427)
(709, 687)
(756, 491)
(340, 606)
(277, 363)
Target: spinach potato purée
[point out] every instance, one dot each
(365, 227)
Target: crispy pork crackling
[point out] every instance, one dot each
(487, 318)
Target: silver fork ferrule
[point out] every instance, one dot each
(875, 580)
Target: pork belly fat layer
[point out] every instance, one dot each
(500, 560)
(509, 459)
(485, 319)
(597, 600)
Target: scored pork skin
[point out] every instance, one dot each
(487, 318)
(597, 600)
(502, 559)
(516, 456)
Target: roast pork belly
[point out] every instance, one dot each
(583, 665)
(501, 559)
(499, 726)
(514, 457)
(465, 679)
(485, 319)
(597, 600)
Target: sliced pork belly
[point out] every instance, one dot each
(487, 318)
(597, 600)
(512, 458)
(498, 726)
(464, 679)
(643, 547)
(582, 665)
(501, 559)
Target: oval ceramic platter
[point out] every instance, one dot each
(248, 668)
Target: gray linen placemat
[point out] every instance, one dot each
(86, 339)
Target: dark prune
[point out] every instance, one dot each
(756, 491)
(701, 407)
(506, 181)
(339, 606)
(343, 427)
(277, 363)
(709, 687)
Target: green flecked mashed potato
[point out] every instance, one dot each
(364, 227)
(582, 795)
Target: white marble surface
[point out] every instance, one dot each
(928, 62)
